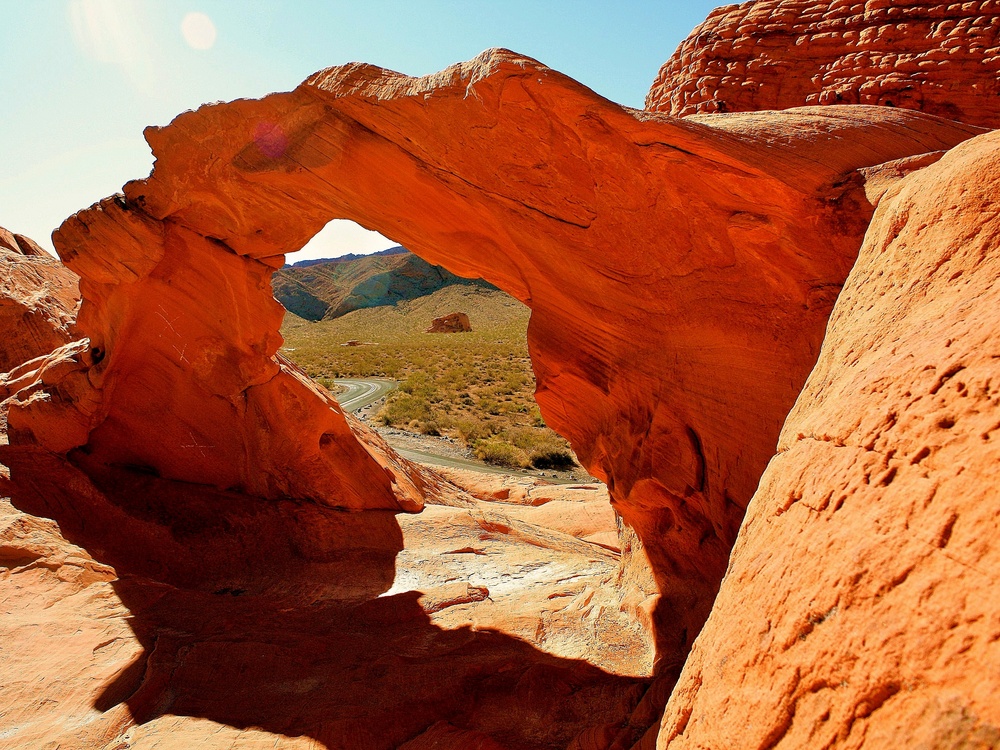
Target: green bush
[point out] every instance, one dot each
(551, 458)
(499, 452)
(402, 409)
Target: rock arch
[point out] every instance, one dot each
(680, 274)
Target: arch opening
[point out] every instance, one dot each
(438, 363)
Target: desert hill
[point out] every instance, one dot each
(477, 388)
(326, 289)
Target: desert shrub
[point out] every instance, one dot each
(494, 450)
(551, 458)
(429, 427)
(403, 409)
(542, 447)
(471, 430)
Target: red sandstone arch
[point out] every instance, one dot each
(680, 275)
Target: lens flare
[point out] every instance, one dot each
(198, 30)
(270, 139)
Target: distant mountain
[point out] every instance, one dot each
(397, 250)
(326, 289)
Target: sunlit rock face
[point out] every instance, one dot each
(680, 275)
(179, 375)
(856, 610)
(941, 58)
(38, 298)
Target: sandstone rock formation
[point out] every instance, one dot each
(726, 238)
(179, 375)
(859, 609)
(942, 58)
(204, 588)
(38, 299)
(456, 322)
(215, 620)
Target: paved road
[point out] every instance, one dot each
(361, 393)
(433, 459)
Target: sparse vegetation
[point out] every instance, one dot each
(477, 387)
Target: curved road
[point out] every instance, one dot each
(360, 393)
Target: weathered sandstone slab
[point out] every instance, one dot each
(860, 607)
(38, 299)
(942, 58)
(680, 275)
(219, 621)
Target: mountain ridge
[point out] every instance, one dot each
(327, 289)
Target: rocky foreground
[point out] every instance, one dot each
(772, 334)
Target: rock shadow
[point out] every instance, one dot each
(272, 615)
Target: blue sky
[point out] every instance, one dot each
(80, 79)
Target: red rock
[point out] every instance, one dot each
(726, 238)
(456, 322)
(774, 54)
(680, 275)
(444, 736)
(582, 511)
(181, 375)
(859, 609)
(38, 299)
(243, 622)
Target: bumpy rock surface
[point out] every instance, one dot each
(456, 322)
(215, 620)
(680, 275)
(860, 606)
(38, 299)
(937, 57)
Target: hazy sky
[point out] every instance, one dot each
(80, 79)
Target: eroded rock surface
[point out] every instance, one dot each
(859, 609)
(179, 375)
(218, 620)
(937, 57)
(680, 275)
(38, 299)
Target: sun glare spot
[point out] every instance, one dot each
(107, 31)
(198, 30)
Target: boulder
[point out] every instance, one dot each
(38, 301)
(941, 58)
(456, 322)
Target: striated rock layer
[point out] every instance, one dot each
(937, 57)
(859, 609)
(680, 275)
(38, 298)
